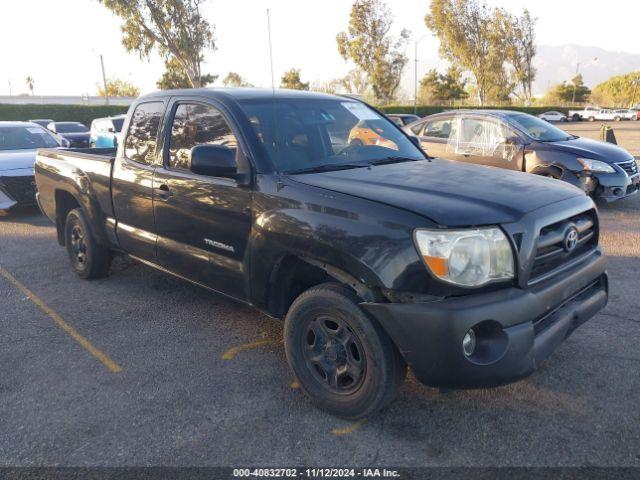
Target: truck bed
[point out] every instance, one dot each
(84, 172)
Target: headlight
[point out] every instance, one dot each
(590, 165)
(469, 258)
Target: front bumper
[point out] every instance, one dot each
(17, 190)
(516, 329)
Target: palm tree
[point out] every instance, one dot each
(30, 82)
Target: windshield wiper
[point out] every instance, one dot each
(327, 168)
(393, 159)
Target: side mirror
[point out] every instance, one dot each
(213, 161)
(111, 130)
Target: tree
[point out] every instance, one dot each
(618, 91)
(370, 46)
(174, 28)
(355, 82)
(564, 92)
(469, 38)
(174, 76)
(518, 41)
(234, 79)
(118, 88)
(30, 82)
(437, 88)
(291, 79)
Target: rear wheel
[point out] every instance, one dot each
(616, 119)
(345, 363)
(88, 258)
(592, 119)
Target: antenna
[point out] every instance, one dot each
(273, 85)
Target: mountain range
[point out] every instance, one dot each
(557, 63)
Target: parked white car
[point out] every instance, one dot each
(627, 114)
(584, 114)
(603, 114)
(553, 116)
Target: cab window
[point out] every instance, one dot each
(140, 144)
(197, 124)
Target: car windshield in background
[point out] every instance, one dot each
(538, 129)
(117, 124)
(25, 138)
(67, 127)
(324, 134)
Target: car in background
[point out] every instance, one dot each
(626, 114)
(43, 122)
(522, 142)
(402, 119)
(585, 113)
(553, 116)
(75, 132)
(602, 114)
(105, 132)
(18, 144)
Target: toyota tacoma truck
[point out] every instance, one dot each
(376, 256)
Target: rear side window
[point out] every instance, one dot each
(440, 128)
(140, 144)
(197, 124)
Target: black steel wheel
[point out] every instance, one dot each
(334, 354)
(345, 362)
(88, 258)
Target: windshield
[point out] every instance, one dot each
(26, 138)
(117, 124)
(307, 134)
(539, 129)
(70, 128)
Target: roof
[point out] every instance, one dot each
(244, 93)
(479, 111)
(18, 124)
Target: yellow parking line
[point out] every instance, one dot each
(232, 352)
(86, 344)
(348, 429)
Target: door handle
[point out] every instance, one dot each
(163, 192)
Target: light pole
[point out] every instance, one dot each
(415, 74)
(573, 100)
(104, 81)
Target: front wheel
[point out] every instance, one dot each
(345, 363)
(88, 258)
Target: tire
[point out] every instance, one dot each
(576, 117)
(616, 119)
(88, 259)
(345, 363)
(592, 119)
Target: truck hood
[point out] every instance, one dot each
(587, 148)
(16, 159)
(449, 193)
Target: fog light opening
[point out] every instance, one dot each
(469, 343)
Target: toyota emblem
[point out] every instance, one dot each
(570, 239)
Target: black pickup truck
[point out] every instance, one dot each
(375, 255)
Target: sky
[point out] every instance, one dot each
(59, 42)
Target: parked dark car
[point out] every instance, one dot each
(375, 255)
(43, 122)
(402, 119)
(522, 142)
(75, 132)
(19, 142)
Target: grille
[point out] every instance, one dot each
(21, 189)
(551, 252)
(631, 167)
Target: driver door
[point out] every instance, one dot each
(203, 222)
